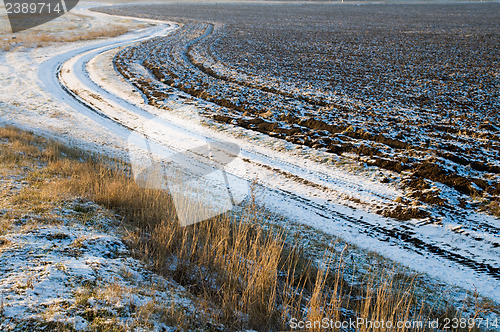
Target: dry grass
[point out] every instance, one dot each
(494, 208)
(242, 274)
(35, 38)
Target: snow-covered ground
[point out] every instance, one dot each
(64, 263)
(61, 274)
(72, 92)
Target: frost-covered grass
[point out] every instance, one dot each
(63, 262)
(83, 246)
(72, 27)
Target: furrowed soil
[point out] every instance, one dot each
(413, 89)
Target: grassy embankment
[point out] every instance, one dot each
(242, 273)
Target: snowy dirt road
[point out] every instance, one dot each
(300, 184)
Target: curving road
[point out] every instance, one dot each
(302, 190)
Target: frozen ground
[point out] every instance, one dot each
(68, 273)
(64, 264)
(91, 105)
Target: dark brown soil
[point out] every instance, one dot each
(407, 88)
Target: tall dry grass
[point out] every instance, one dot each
(27, 39)
(244, 274)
